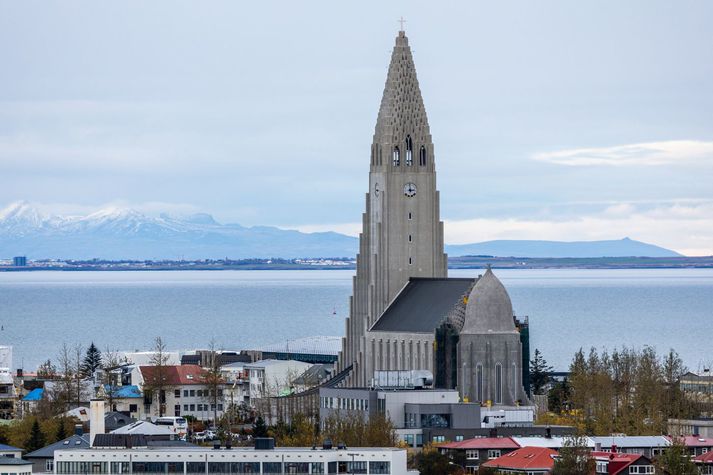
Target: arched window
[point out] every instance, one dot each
(422, 156)
(397, 157)
(498, 383)
(479, 382)
(409, 151)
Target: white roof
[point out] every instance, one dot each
(633, 441)
(313, 345)
(549, 442)
(266, 363)
(143, 428)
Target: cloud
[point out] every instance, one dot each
(638, 154)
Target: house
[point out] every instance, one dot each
(526, 460)
(697, 445)
(649, 445)
(704, 462)
(15, 466)
(237, 382)
(187, 392)
(127, 399)
(269, 378)
(8, 396)
(314, 376)
(617, 463)
(43, 459)
(31, 400)
(475, 452)
(699, 427)
(10, 451)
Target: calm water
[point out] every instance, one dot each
(568, 309)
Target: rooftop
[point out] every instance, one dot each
(176, 374)
(526, 458)
(422, 304)
(73, 442)
(483, 443)
(312, 345)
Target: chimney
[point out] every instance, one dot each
(613, 448)
(548, 432)
(96, 419)
(598, 447)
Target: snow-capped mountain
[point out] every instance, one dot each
(124, 233)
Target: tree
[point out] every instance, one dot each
(539, 373)
(156, 380)
(213, 381)
(61, 431)
(92, 361)
(36, 440)
(259, 427)
(574, 458)
(675, 460)
(558, 397)
(110, 380)
(47, 370)
(431, 462)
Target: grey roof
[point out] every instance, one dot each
(422, 305)
(13, 461)
(489, 309)
(113, 420)
(633, 441)
(312, 345)
(72, 442)
(315, 375)
(9, 448)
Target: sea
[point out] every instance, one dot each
(568, 309)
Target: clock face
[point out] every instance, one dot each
(410, 190)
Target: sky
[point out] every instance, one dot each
(552, 120)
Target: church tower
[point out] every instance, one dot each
(402, 234)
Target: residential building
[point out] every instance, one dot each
(649, 445)
(704, 462)
(237, 383)
(270, 378)
(697, 445)
(31, 400)
(526, 460)
(127, 399)
(15, 466)
(475, 452)
(617, 463)
(43, 459)
(8, 396)
(186, 392)
(10, 451)
(266, 459)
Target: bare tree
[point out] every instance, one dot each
(110, 380)
(156, 381)
(213, 380)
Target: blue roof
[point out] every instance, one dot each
(34, 395)
(8, 447)
(121, 392)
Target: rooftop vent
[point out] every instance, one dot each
(341, 446)
(264, 443)
(327, 444)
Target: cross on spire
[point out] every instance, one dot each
(402, 21)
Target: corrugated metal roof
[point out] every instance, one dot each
(312, 345)
(633, 441)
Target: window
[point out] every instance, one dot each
(193, 407)
(409, 151)
(472, 454)
(409, 216)
(498, 383)
(410, 239)
(133, 407)
(422, 156)
(459, 438)
(493, 453)
(642, 469)
(439, 438)
(409, 439)
(192, 392)
(185, 407)
(602, 467)
(396, 159)
(479, 382)
(185, 393)
(380, 467)
(317, 467)
(177, 393)
(49, 465)
(410, 261)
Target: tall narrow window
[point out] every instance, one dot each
(410, 261)
(498, 383)
(396, 157)
(409, 151)
(379, 147)
(409, 238)
(409, 216)
(422, 156)
(479, 382)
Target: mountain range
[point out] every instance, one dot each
(123, 233)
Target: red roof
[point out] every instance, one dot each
(175, 375)
(483, 443)
(696, 441)
(618, 461)
(526, 458)
(704, 458)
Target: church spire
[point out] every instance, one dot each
(402, 136)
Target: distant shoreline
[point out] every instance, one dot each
(464, 262)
